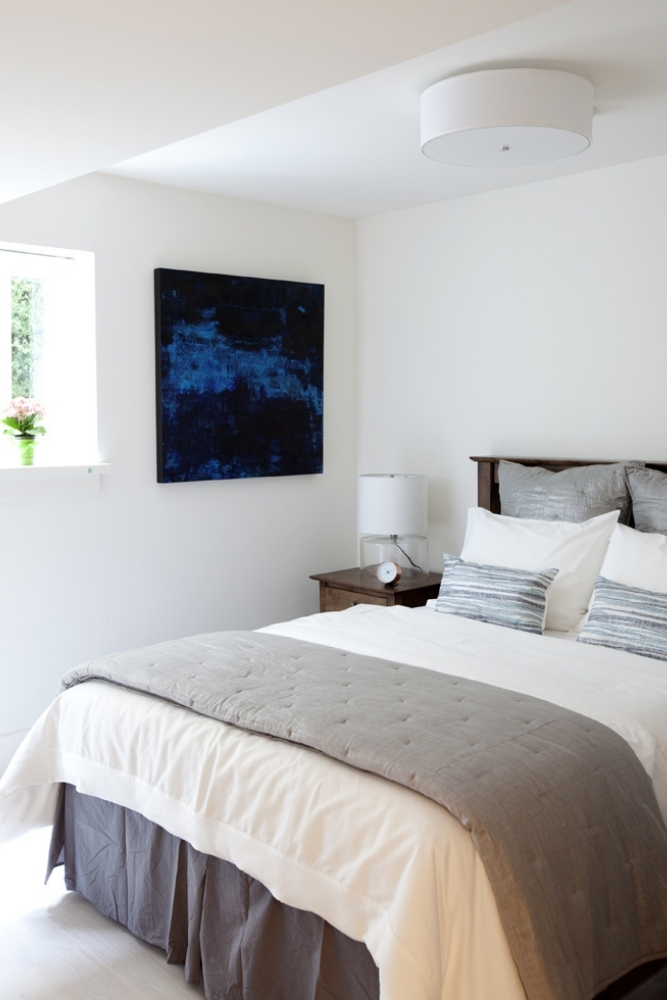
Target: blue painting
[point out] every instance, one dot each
(239, 376)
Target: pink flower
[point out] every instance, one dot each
(20, 408)
(23, 416)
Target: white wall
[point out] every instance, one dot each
(530, 321)
(142, 562)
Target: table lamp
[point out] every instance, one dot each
(392, 519)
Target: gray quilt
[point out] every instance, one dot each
(560, 809)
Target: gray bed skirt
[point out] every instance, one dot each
(224, 927)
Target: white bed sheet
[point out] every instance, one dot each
(380, 862)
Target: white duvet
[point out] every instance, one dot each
(380, 862)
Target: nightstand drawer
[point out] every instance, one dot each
(343, 588)
(339, 600)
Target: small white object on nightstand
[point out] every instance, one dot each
(388, 572)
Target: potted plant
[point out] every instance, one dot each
(22, 419)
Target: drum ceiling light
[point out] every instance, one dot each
(507, 117)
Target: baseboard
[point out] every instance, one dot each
(9, 744)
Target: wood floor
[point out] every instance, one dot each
(55, 946)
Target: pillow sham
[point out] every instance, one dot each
(648, 488)
(575, 494)
(636, 559)
(575, 549)
(627, 618)
(513, 598)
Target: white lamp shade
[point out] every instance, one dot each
(507, 117)
(392, 504)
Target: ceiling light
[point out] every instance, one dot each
(507, 117)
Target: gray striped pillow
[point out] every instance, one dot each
(627, 618)
(514, 598)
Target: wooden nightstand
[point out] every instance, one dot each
(346, 587)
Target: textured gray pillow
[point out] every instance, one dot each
(648, 488)
(513, 598)
(571, 495)
(627, 618)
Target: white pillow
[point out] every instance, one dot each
(577, 550)
(636, 559)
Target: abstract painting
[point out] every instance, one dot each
(239, 376)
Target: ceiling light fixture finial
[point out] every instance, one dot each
(507, 117)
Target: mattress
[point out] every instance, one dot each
(399, 873)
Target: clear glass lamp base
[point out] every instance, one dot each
(410, 552)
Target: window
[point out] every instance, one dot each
(47, 347)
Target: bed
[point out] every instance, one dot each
(397, 903)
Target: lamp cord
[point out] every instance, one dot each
(394, 539)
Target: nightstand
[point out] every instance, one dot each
(346, 587)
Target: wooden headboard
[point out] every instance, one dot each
(488, 494)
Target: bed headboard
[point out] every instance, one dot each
(488, 495)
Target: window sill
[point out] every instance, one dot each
(25, 481)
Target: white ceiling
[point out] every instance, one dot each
(353, 149)
(88, 83)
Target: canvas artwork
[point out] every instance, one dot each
(239, 376)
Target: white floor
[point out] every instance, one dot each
(55, 946)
